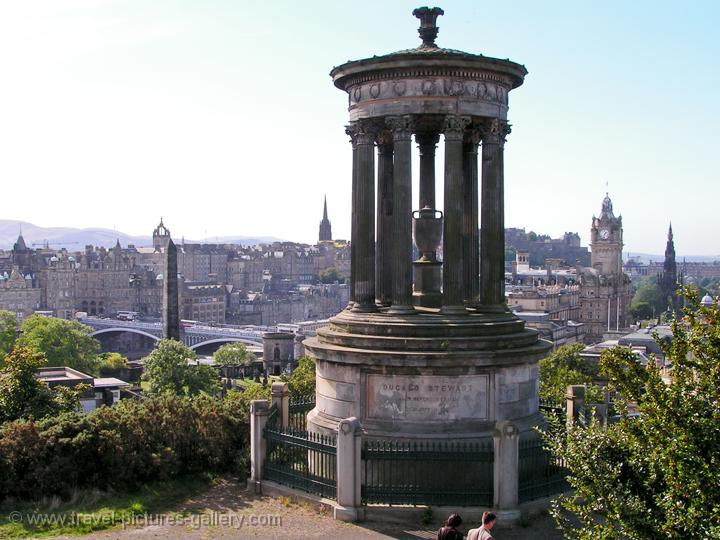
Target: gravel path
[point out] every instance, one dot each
(228, 511)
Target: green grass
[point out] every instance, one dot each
(89, 511)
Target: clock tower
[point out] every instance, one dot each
(606, 241)
(605, 291)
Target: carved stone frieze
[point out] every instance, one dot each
(491, 92)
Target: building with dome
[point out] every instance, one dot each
(605, 290)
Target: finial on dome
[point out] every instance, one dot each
(428, 29)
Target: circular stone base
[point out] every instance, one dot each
(426, 376)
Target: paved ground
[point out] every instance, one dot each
(228, 511)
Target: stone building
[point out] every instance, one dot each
(552, 310)
(102, 285)
(605, 290)
(19, 294)
(541, 247)
(58, 285)
(202, 301)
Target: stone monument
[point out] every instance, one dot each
(441, 356)
(171, 307)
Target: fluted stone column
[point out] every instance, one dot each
(453, 130)
(427, 142)
(364, 218)
(402, 210)
(350, 131)
(384, 245)
(470, 235)
(492, 229)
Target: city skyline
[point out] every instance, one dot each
(118, 112)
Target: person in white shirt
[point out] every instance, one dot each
(483, 532)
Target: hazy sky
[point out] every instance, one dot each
(221, 117)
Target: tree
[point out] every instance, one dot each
(563, 368)
(167, 371)
(64, 343)
(641, 311)
(23, 395)
(233, 354)
(112, 361)
(301, 383)
(329, 275)
(647, 298)
(8, 332)
(657, 475)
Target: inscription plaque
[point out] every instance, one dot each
(425, 398)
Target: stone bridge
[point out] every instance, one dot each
(194, 336)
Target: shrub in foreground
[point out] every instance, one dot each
(121, 447)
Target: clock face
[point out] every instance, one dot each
(604, 234)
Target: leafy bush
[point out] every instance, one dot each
(112, 361)
(563, 368)
(239, 400)
(656, 475)
(122, 446)
(301, 383)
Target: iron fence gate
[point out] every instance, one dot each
(300, 459)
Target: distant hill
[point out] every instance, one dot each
(77, 239)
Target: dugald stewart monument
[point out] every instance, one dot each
(427, 349)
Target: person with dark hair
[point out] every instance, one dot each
(449, 531)
(483, 532)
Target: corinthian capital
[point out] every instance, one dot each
(351, 131)
(385, 141)
(366, 131)
(495, 131)
(401, 126)
(454, 127)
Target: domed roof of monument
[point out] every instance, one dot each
(428, 54)
(707, 300)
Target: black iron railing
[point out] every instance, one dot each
(540, 473)
(301, 460)
(298, 413)
(550, 407)
(442, 473)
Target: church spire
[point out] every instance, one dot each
(668, 279)
(325, 227)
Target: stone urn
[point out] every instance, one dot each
(427, 229)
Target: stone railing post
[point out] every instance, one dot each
(280, 396)
(349, 447)
(506, 470)
(258, 418)
(575, 402)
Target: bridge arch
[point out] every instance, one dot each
(246, 341)
(125, 329)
